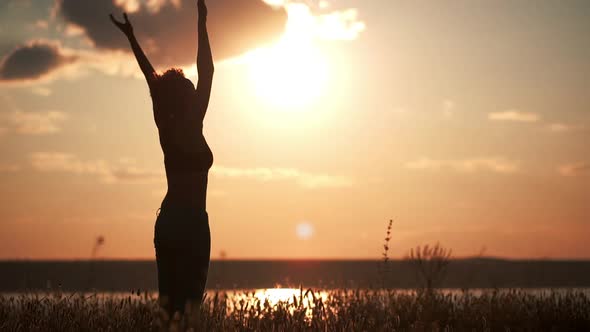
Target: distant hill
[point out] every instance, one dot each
(128, 275)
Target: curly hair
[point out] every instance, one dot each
(171, 74)
(172, 91)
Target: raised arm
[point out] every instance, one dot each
(204, 58)
(142, 60)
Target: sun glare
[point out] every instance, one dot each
(276, 295)
(304, 231)
(292, 73)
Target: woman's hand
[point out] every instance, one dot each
(125, 27)
(202, 8)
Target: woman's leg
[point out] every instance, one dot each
(165, 261)
(193, 264)
(191, 279)
(183, 248)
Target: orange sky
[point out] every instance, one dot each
(467, 123)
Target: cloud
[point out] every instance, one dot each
(83, 63)
(9, 168)
(167, 29)
(336, 25)
(121, 172)
(448, 108)
(530, 117)
(33, 61)
(320, 21)
(33, 123)
(42, 91)
(341, 25)
(574, 169)
(495, 165)
(304, 179)
(126, 171)
(62, 162)
(514, 115)
(134, 174)
(561, 127)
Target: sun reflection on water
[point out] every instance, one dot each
(292, 297)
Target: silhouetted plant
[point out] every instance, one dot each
(384, 267)
(98, 243)
(430, 264)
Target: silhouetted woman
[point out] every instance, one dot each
(182, 238)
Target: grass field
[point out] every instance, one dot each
(341, 310)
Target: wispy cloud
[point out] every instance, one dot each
(9, 168)
(320, 20)
(514, 115)
(574, 169)
(33, 123)
(42, 91)
(559, 128)
(448, 108)
(339, 25)
(121, 172)
(63, 162)
(127, 171)
(531, 117)
(304, 179)
(495, 165)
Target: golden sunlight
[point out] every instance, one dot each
(276, 295)
(292, 73)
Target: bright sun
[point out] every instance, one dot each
(293, 72)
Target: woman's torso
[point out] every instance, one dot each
(187, 156)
